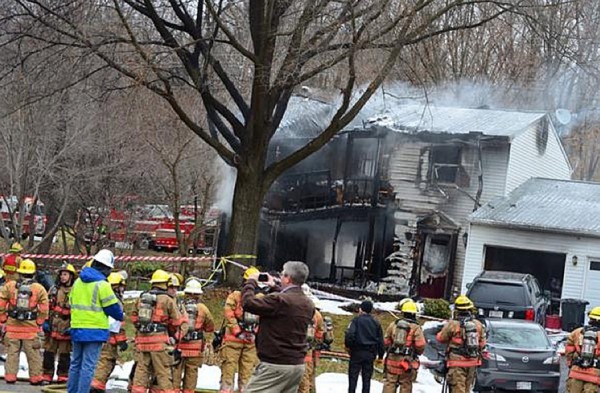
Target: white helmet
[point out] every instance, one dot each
(193, 287)
(105, 257)
(306, 290)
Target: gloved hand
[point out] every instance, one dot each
(379, 362)
(46, 327)
(172, 341)
(123, 346)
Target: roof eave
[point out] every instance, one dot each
(535, 228)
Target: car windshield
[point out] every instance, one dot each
(498, 293)
(524, 335)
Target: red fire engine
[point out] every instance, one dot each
(152, 226)
(11, 204)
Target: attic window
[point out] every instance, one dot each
(445, 163)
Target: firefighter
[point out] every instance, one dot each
(319, 335)
(58, 326)
(465, 337)
(238, 350)
(23, 309)
(117, 340)
(404, 342)
(192, 345)
(582, 352)
(12, 261)
(157, 321)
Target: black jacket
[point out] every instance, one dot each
(365, 333)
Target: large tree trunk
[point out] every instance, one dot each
(243, 230)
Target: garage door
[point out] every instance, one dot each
(592, 289)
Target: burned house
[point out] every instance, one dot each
(387, 201)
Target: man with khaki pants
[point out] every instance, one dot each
(281, 341)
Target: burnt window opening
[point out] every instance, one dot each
(445, 164)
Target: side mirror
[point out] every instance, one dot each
(469, 285)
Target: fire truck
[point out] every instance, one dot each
(151, 227)
(10, 204)
(204, 239)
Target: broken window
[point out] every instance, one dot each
(445, 163)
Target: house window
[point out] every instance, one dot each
(445, 163)
(595, 265)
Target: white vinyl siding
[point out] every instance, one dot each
(584, 248)
(526, 161)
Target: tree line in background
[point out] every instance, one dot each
(101, 99)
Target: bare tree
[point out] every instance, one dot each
(243, 61)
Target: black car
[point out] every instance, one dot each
(498, 294)
(519, 357)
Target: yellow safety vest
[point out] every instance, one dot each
(88, 300)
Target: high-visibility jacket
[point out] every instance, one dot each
(60, 312)
(204, 323)
(451, 333)
(318, 326)
(88, 300)
(573, 351)
(234, 317)
(38, 306)
(415, 341)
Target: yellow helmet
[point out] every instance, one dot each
(179, 277)
(463, 303)
(115, 279)
(87, 264)
(67, 267)
(250, 271)
(409, 307)
(26, 267)
(594, 314)
(174, 280)
(16, 248)
(160, 276)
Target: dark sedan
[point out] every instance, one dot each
(519, 357)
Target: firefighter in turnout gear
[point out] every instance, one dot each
(465, 337)
(12, 261)
(404, 342)
(117, 341)
(238, 351)
(23, 310)
(200, 321)
(158, 323)
(583, 354)
(316, 337)
(58, 326)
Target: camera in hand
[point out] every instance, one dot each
(263, 277)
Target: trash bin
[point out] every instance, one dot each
(573, 313)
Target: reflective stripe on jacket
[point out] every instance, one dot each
(88, 300)
(451, 334)
(38, 302)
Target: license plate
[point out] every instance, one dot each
(523, 385)
(496, 314)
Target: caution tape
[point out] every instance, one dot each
(118, 258)
(220, 267)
